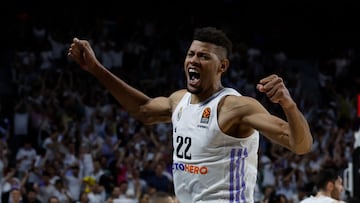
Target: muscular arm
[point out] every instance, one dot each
(238, 117)
(300, 138)
(146, 109)
(293, 134)
(140, 106)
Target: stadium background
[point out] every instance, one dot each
(310, 34)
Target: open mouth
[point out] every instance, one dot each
(194, 75)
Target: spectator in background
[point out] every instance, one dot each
(159, 180)
(62, 192)
(83, 198)
(329, 186)
(25, 157)
(53, 199)
(9, 182)
(16, 196)
(46, 188)
(21, 123)
(31, 196)
(277, 198)
(161, 197)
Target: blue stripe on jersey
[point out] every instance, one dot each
(243, 175)
(237, 175)
(231, 189)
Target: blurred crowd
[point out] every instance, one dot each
(67, 137)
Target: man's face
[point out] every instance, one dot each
(202, 66)
(16, 194)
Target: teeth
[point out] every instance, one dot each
(193, 71)
(193, 74)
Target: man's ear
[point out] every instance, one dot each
(330, 186)
(224, 65)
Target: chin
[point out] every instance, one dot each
(194, 90)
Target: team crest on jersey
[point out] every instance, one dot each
(205, 115)
(179, 114)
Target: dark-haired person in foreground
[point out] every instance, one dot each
(329, 186)
(215, 128)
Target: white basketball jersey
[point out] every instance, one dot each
(208, 165)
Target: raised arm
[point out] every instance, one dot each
(240, 115)
(299, 135)
(139, 105)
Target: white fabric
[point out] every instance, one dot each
(210, 166)
(320, 199)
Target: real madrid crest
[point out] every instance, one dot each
(179, 114)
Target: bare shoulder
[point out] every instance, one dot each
(175, 97)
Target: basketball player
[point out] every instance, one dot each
(215, 129)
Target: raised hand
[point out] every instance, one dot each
(274, 88)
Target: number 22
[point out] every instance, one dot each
(182, 150)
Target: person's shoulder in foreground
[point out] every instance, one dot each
(329, 186)
(321, 199)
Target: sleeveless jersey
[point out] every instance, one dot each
(208, 165)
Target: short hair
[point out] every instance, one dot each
(324, 176)
(215, 36)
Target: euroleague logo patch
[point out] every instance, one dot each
(205, 117)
